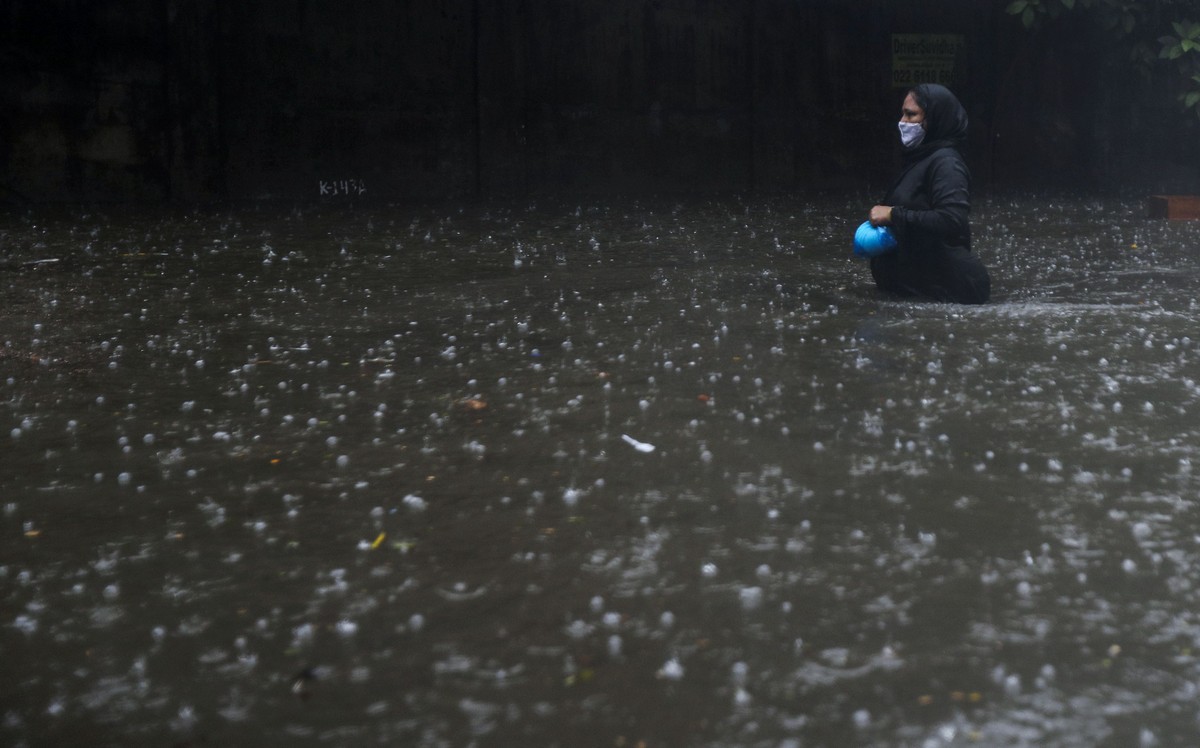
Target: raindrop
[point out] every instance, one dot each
(1012, 685)
(671, 670)
(739, 672)
(614, 645)
(751, 597)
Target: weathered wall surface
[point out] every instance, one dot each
(83, 94)
(347, 97)
(197, 100)
(626, 95)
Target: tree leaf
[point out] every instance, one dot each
(1016, 7)
(1069, 4)
(1027, 17)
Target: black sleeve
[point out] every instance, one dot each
(948, 184)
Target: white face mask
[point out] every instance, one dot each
(911, 134)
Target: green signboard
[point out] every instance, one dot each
(926, 58)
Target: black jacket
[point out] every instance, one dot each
(931, 201)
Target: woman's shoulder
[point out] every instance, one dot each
(937, 159)
(946, 159)
(946, 153)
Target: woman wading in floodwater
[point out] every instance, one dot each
(927, 206)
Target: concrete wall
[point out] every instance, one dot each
(83, 97)
(363, 96)
(199, 100)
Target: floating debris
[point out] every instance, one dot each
(639, 446)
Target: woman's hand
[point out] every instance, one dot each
(881, 215)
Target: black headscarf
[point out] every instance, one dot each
(945, 121)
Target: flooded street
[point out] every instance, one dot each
(616, 475)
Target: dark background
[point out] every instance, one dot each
(194, 101)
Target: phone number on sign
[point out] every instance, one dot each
(913, 76)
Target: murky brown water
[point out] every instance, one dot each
(360, 477)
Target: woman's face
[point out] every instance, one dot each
(911, 112)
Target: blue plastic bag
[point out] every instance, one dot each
(872, 241)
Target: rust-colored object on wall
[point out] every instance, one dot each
(1175, 207)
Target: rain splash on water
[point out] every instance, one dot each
(607, 474)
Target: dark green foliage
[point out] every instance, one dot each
(1161, 37)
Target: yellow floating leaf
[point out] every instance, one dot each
(379, 540)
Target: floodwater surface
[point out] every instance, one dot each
(610, 474)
